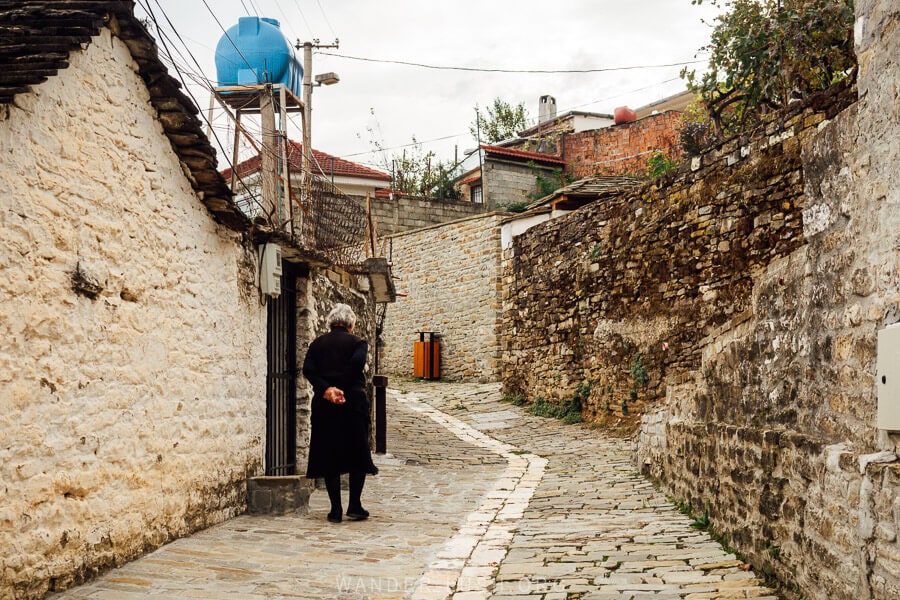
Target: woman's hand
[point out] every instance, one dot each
(334, 395)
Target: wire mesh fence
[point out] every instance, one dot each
(331, 223)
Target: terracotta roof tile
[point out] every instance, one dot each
(324, 161)
(537, 156)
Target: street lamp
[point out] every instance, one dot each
(329, 78)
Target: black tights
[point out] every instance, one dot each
(333, 485)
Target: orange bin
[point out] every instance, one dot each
(427, 356)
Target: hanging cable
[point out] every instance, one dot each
(247, 10)
(499, 70)
(324, 16)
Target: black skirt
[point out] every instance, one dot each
(339, 441)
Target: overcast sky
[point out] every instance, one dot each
(390, 103)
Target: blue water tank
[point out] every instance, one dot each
(255, 51)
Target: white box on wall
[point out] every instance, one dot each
(270, 269)
(887, 377)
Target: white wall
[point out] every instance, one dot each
(133, 417)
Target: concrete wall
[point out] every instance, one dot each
(135, 416)
(404, 213)
(506, 182)
(749, 288)
(622, 149)
(451, 277)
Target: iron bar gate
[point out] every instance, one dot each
(281, 378)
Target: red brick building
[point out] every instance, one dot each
(621, 149)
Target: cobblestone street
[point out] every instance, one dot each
(477, 499)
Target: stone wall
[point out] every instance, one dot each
(748, 290)
(622, 149)
(450, 275)
(132, 343)
(404, 213)
(317, 293)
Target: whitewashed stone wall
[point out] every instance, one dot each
(133, 417)
(451, 277)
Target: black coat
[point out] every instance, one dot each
(339, 441)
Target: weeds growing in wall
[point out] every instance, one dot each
(568, 411)
(660, 163)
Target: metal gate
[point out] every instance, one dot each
(281, 378)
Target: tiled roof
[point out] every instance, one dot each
(535, 156)
(472, 179)
(322, 160)
(590, 188)
(36, 38)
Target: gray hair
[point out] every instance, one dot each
(341, 314)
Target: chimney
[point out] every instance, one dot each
(546, 109)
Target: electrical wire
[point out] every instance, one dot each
(324, 16)
(247, 10)
(499, 70)
(145, 4)
(534, 120)
(287, 21)
(303, 16)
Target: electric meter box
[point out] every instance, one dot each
(270, 269)
(887, 378)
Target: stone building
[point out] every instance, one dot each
(448, 281)
(729, 315)
(133, 338)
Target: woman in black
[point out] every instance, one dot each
(340, 412)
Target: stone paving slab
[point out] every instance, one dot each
(426, 488)
(478, 499)
(594, 527)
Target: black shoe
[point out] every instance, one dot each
(334, 517)
(357, 514)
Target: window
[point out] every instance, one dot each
(475, 194)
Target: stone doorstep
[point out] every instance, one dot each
(278, 495)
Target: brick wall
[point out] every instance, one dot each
(451, 275)
(621, 149)
(135, 416)
(749, 287)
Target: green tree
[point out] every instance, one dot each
(420, 173)
(501, 121)
(765, 54)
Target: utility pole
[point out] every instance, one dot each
(269, 167)
(306, 179)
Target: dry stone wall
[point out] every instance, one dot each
(450, 275)
(132, 344)
(748, 290)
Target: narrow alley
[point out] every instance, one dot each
(476, 499)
